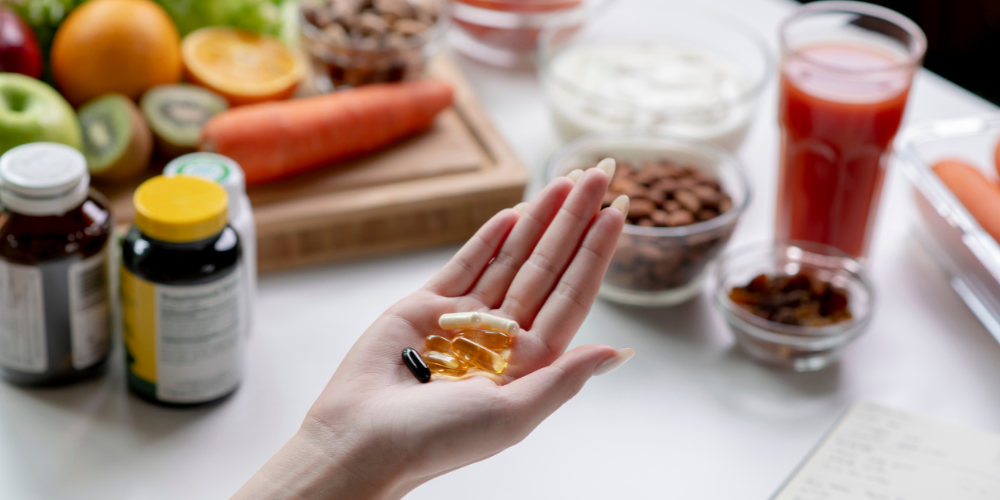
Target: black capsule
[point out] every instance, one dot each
(413, 361)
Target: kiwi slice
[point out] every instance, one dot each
(116, 139)
(176, 113)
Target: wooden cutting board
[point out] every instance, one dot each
(432, 189)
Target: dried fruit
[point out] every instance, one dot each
(800, 299)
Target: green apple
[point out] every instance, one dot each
(32, 111)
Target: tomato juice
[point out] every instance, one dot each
(840, 106)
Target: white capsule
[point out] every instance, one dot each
(478, 321)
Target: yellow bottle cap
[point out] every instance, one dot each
(180, 209)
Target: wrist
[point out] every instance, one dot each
(316, 463)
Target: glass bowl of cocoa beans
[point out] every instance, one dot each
(686, 199)
(794, 305)
(351, 43)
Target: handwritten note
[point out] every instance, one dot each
(876, 453)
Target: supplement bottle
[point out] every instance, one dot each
(55, 319)
(225, 172)
(180, 290)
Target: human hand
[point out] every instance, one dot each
(376, 432)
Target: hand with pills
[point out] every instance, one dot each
(484, 357)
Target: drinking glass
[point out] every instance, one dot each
(846, 70)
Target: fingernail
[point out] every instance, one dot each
(575, 175)
(621, 203)
(521, 207)
(615, 361)
(608, 166)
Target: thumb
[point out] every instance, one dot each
(531, 399)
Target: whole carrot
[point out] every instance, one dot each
(980, 197)
(275, 140)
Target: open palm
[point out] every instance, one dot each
(541, 268)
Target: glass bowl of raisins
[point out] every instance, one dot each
(791, 304)
(686, 197)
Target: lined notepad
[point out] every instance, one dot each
(879, 453)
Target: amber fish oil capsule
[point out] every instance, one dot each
(478, 321)
(478, 356)
(437, 343)
(494, 341)
(445, 364)
(416, 364)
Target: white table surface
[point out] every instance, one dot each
(688, 418)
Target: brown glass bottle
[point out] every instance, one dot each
(54, 290)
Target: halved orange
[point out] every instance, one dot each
(241, 66)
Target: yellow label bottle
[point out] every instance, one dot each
(181, 293)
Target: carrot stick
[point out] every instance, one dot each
(980, 197)
(275, 140)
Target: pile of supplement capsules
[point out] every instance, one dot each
(480, 339)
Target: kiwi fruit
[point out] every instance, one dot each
(116, 140)
(177, 113)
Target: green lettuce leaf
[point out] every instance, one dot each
(260, 16)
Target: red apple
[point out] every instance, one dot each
(19, 51)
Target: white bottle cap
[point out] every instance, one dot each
(43, 178)
(219, 169)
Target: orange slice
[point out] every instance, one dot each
(241, 66)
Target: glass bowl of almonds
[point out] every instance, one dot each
(351, 43)
(686, 197)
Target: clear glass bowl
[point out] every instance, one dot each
(944, 227)
(503, 32)
(594, 66)
(661, 266)
(792, 347)
(344, 62)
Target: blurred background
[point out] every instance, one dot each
(963, 38)
(963, 34)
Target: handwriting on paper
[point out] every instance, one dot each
(877, 453)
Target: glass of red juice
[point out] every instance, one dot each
(846, 71)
